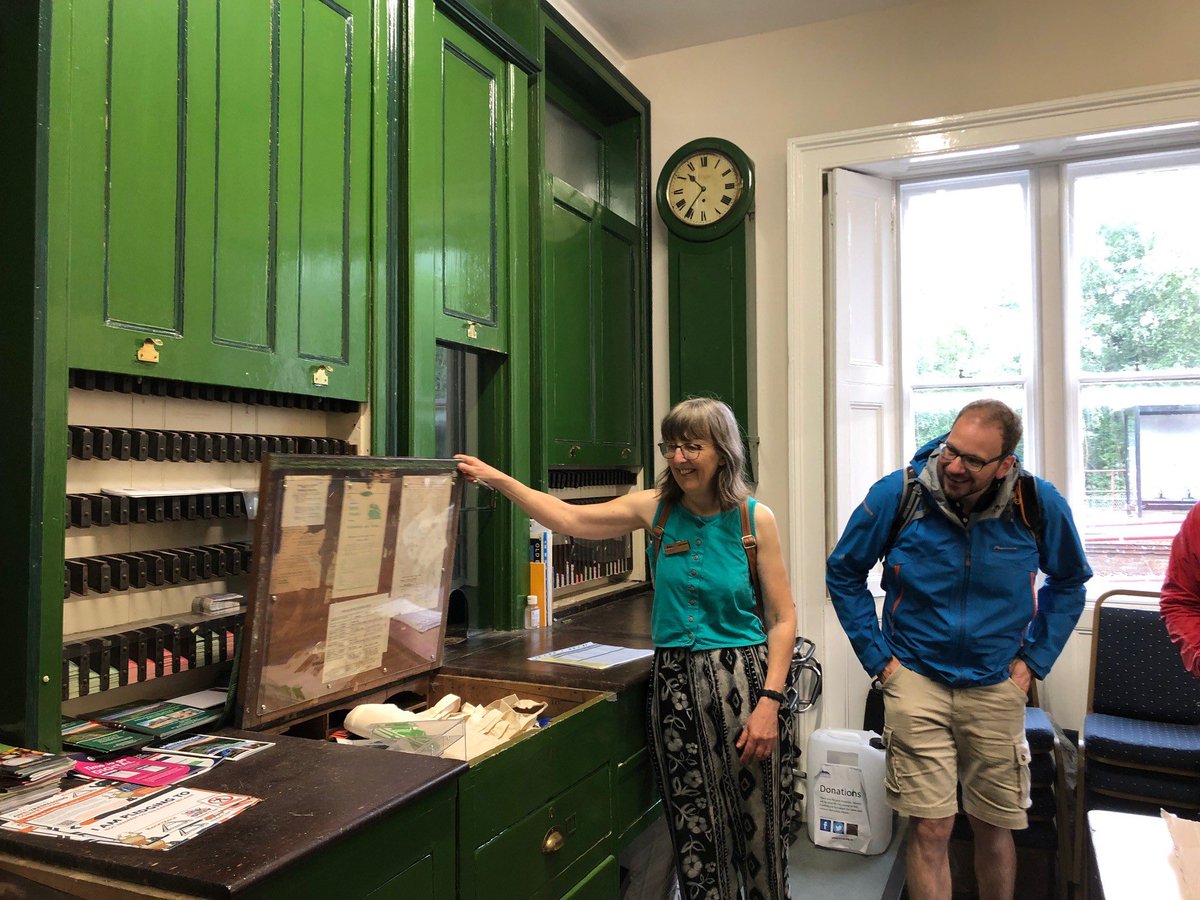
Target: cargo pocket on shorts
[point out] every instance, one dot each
(891, 779)
(1022, 757)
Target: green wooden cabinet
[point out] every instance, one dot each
(216, 158)
(595, 377)
(409, 853)
(555, 781)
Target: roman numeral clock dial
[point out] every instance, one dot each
(704, 187)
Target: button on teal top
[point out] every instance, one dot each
(703, 598)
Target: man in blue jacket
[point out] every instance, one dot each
(965, 630)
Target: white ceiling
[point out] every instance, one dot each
(644, 27)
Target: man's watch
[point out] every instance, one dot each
(773, 695)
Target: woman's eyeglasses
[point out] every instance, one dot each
(971, 463)
(690, 450)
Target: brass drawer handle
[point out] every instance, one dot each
(553, 841)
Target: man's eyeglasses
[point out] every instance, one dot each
(690, 450)
(971, 463)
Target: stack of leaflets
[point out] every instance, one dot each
(28, 775)
(159, 719)
(99, 740)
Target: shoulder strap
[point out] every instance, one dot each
(910, 498)
(750, 545)
(1029, 504)
(656, 532)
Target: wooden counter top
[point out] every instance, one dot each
(314, 793)
(624, 622)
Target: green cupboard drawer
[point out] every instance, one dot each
(506, 785)
(542, 845)
(602, 883)
(629, 735)
(635, 795)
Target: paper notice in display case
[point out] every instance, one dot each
(541, 571)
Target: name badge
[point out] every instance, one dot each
(677, 548)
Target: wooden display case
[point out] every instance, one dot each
(348, 605)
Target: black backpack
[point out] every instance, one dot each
(1025, 498)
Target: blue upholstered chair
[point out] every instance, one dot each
(1139, 749)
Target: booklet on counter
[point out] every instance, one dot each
(160, 719)
(592, 655)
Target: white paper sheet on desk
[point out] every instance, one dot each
(592, 655)
(1186, 836)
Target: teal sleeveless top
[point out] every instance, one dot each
(703, 598)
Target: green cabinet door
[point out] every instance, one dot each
(466, 112)
(218, 188)
(594, 379)
(620, 381)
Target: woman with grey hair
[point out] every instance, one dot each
(723, 744)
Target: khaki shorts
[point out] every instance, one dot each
(937, 736)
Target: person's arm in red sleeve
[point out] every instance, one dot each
(1180, 603)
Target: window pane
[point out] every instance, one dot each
(1135, 264)
(934, 409)
(1138, 442)
(572, 151)
(966, 278)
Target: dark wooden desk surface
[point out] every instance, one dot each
(313, 793)
(505, 655)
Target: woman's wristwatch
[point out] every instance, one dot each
(773, 695)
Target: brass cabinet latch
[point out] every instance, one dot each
(472, 331)
(320, 375)
(148, 352)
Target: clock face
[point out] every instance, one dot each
(703, 188)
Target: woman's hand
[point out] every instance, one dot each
(760, 737)
(477, 470)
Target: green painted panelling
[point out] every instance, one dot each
(139, 281)
(708, 352)
(179, 148)
(244, 227)
(567, 238)
(471, 200)
(617, 349)
(335, 130)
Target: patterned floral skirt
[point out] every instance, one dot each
(731, 824)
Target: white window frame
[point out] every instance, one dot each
(808, 159)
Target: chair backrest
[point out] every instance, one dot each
(1136, 671)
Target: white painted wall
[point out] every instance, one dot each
(925, 60)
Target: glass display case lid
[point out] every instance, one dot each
(352, 566)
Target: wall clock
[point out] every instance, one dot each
(705, 197)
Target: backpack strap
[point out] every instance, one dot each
(750, 545)
(1029, 504)
(910, 499)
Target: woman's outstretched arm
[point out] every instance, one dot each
(591, 520)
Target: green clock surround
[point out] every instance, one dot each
(738, 208)
(710, 280)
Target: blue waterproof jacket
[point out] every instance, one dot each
(961, 599)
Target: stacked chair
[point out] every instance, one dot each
(1139, 749)
(1044, 848)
